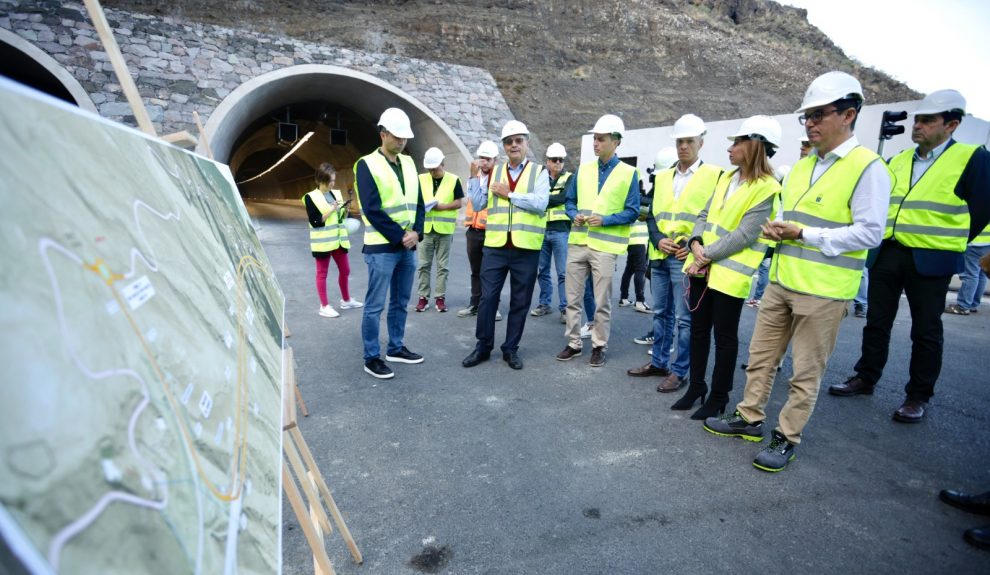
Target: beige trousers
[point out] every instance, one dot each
(581, 261)
(811, 325)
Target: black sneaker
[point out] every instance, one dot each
(377, 368)
(735, 426)
(404, 356)
(644, 339)
(775, 456)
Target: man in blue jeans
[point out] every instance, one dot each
(388, 190)
(974, 281)
(555, 238)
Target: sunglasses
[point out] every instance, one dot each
(555, 160)
(517, 140)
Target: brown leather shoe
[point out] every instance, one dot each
(597, 357)
(671, 384)
(852, 386)
(568, 354)
(912, 411)
(648, 370)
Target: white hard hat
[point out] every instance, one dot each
(609, 124)
(782, 172)
(352, 225)
(764, 126)
(514, 128)
(487, 149)
(665, 158)
(688, 126)
(396, 122)
(432, 158)
(942, 101)
(828, 88)
(556, 150)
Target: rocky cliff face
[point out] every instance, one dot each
(561, 64)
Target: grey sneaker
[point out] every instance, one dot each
(540, 310)
(468, 311)
(775, 456)
(735, 426)
(563, 316)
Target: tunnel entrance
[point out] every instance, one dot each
(23, 62)
(252, 128)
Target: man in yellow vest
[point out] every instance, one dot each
(555, 239)
(940, 202)
(442, 193)
(834, 206)
(388, 191)
(516, 201)
(680, 193)
(602, 200)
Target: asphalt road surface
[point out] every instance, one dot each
(564, 468)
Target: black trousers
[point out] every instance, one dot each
(636, 263)
(712, 309)
(520, 267)
(892, 273)
(475, 243)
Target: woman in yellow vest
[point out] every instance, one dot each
(726, 251)
(328, 238)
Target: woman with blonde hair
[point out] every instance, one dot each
(725, 252)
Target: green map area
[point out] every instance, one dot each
(140, 352)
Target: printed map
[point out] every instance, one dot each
(140, 353)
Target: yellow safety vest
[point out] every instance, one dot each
(639, 234)
(826, 203)
(610, 200)
(398, 200)
(439, 221)
(930, 214)
(983, 237)
(734, 275)
(527, 228)
(558, 213)
(676, 218)
(333, 234)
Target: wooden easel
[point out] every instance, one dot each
(302, 467)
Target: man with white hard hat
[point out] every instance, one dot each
(442, 193)
(475, 222)
(680, 193)
(941, 202)
(834, 205)
(602, 201)
(392, 207)
(516, 201)
(555, 239)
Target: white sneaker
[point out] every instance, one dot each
(625, 303)
(586, 330)
(642, 307)
(328, 311)
(498, 315)
(350, 304)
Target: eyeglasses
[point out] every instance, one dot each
(816, 116)
(555, 160)
(516, 140)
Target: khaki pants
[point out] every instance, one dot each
(581, 261)
(436, 246)
(811, 324)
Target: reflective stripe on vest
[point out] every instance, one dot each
(333, 234)
(734, 275)
(805, 269)
(930, 214)
(398, 201)
(639, 235)
(439, 221)
(527, 228)
(676, 218)
(983, 238)
(558, 213)
(610, 200)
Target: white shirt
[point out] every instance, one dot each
(681, 179)
(921, 165)
(869, 203)
(733, 186)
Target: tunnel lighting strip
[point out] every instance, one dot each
(284, 158)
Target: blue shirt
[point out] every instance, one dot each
(630, 210)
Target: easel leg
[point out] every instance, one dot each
(292, 493)
(307, 486)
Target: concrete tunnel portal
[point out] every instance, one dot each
(340, 106)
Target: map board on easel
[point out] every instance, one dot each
(141, 354)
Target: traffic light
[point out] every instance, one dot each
(889, 127)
